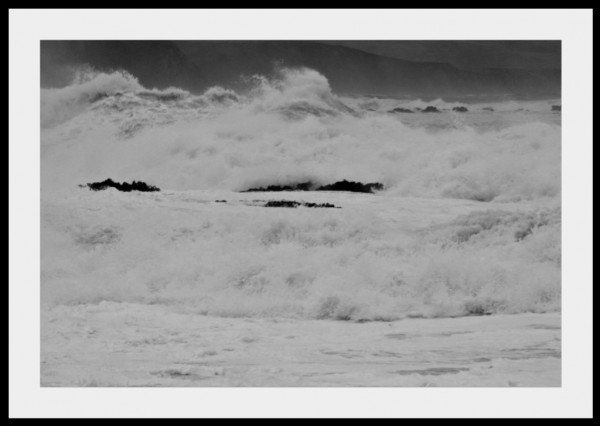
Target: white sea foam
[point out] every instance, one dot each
(375, 258)
(288, 130)
(425, 245)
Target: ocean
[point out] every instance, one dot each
(466, 225)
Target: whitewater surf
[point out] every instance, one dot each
(462, 239)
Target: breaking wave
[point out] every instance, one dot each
(355, 263)
(497, 172)
(285, 130)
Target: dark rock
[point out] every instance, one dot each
(488, 109)
(345, 185)
(302, 186)
(431, 109)
(402, 110)
(460, 109)
(294, 204)
(220, 201)
(124, 187)
(556, 108)
(282, 203)
(321, 205)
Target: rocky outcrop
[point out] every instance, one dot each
(343, 185)
(294, 204)
(401, 110)
(302, 186)
(124, 187)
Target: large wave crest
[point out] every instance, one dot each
(291, 128)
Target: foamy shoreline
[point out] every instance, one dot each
(121, 344)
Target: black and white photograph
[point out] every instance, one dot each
(306, 212)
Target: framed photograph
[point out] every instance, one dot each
(319, 220)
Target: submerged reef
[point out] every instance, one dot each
(294, 204)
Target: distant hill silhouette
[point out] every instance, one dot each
(197, 65)
(157, 64)
(467, 54)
